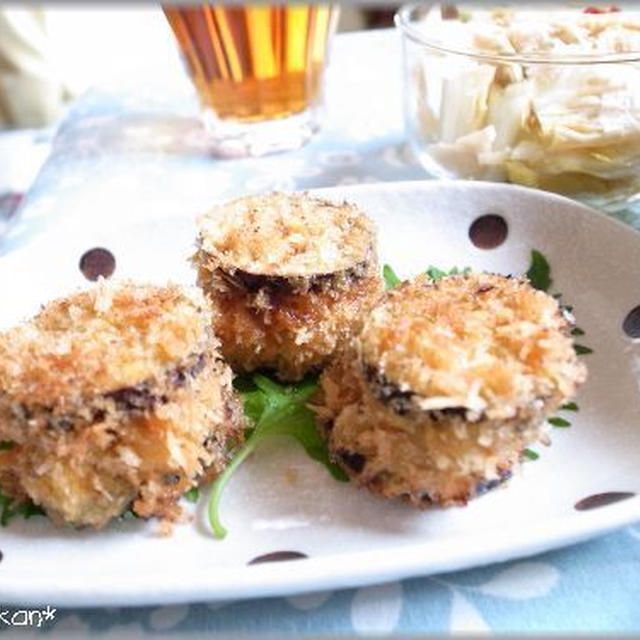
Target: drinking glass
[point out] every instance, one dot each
(258, 71)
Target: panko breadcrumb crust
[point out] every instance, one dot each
(293, 235)
(114, 397)
(446, 385)
(290, 278)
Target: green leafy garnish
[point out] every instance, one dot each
(193, 495)
(581, 350)
(539, 275)
(530, 455)
(273, 409)
(6, 445)
(435, 274)
(539, 271)
(29, 509)
(557, 421)
(11, 508)
(570, 406)
(390, 278)
(130, 514)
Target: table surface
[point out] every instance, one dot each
(593, 586)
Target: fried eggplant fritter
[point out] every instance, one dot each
(446, 385)
(290, 278)
(112, 398)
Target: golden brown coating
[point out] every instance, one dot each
(289, 235)
(484, 342)
(109, 433)
(292, 304)
(289, 332)
(100, 340)
(446, 385)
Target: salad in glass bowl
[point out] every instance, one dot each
(541, 96)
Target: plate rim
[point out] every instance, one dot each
(429, 183)
(347, 569)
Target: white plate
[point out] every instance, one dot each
(282, 501)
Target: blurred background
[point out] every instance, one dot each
(51, 54)
(551, 124)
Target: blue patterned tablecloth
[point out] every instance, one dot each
(594, 586)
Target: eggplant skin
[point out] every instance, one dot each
(291, 333)
(405, 423)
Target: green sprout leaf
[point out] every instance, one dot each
(557, 421)
(539, 275)
(539, 272)
(5, 509)
(390, 278)
(193, 495)
(570, 406)
(6, 445)
(581, 350)
(435, 274)
(273, 409)
(29, 509)
(530, 454)
(11, 508)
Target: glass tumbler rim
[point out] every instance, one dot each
(404, 22)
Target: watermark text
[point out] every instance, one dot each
(27, 617)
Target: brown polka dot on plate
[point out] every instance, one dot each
(97, 262)
(1, 556)
(631, 324)
(278, 556)
(602, 499)
(488, 232)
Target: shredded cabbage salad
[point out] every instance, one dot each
(571, 128)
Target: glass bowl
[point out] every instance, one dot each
(565, 119)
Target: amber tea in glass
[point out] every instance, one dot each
(258, 70)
